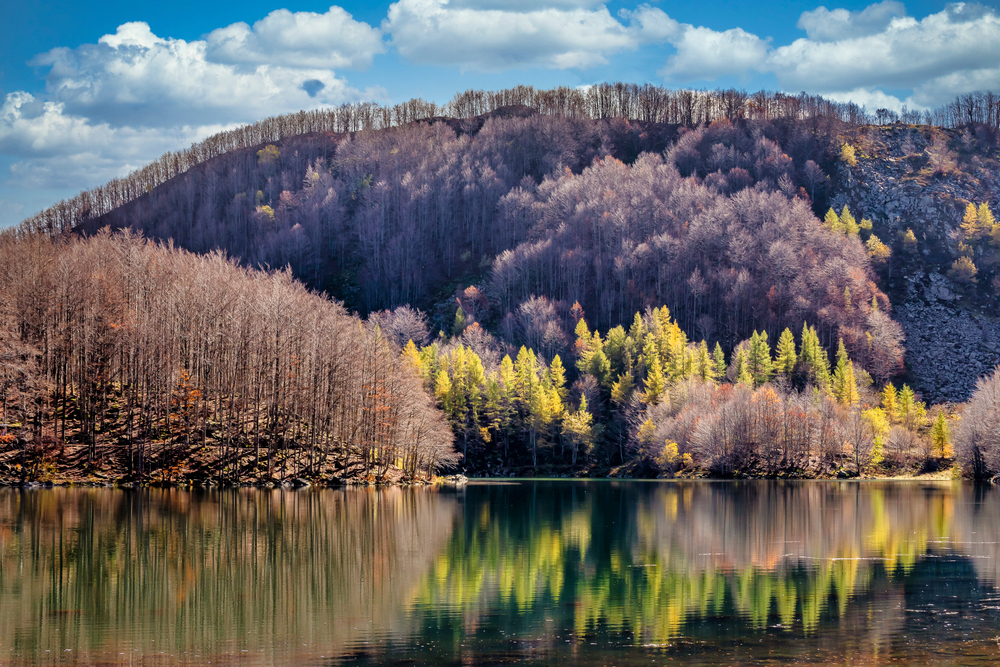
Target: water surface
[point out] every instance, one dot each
(572, 572)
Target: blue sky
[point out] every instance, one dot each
(90, 92)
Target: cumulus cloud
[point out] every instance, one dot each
(704, 54)
(136, 78)
(333, 40)
(871, 98)
(52, 149)
(524, 5)
(906, 54)
(480, 36)
(857, 55)
(825, 25)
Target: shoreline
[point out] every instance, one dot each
(450, 481)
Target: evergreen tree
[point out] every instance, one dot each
(813, 359)
(743, 374)
(912, 413)
(784, 365)
(878, 251)
(758, 359)
(890, 402)
(845, 388)
(985, 219)
(577, 429)
(832, 222)
(704, 365)
(655, 382)
(720, 361)
(970, 223)
(557, 378)
(879, 424)
(621, 390)
(849, 224)
(459, 325)
(866, 228)
(616, 346)
(941, 437)
(443, 390)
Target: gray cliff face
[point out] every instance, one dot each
(952, 330)
(949, 346)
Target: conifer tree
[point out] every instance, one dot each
(985, 219)
(743, 374)
(581, 347)
(866, 228)
(621, 389)
(646, 435)
(557, 378)
(615, 349)
(890, 402)
(720, 361)
(443, 390)
(638, 330)
(412, 356)
(845, 388)
(758, 359)
(813, 359)
(459, 326)
(655, 382)
(849, 224)
(879, 423)
(784, 365)
(832, 222)
(577, 428)
(705, 366)
(941, 437)
(912, 412)
(970, 223)
(878, 251)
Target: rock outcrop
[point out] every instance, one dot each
(950, 347)
(952, 330)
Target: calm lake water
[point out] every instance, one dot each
(569, 572)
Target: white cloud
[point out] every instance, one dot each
(825, 25)
(960, 43)
(56, 150)
(857, 55)
(871, 98)
(333, 40)
(135, 78)
(523, 5)
(704, 54)
(568, 35)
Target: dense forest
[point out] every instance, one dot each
(624, 280)
(136, 357)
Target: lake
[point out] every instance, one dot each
(547, 572)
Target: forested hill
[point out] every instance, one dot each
(493, 238)
(382, 207)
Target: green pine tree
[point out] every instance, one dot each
(784, 365)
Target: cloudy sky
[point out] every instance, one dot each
(89, 92)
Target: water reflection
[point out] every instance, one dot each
(582, 572)
(91, 574)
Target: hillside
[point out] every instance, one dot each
(922, 179)
(727, 275)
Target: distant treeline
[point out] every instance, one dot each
(643, 103)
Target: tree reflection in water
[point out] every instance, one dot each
(550, 571)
